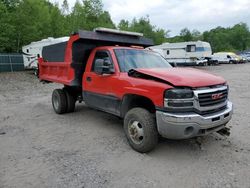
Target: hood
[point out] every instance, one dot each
(182, 77)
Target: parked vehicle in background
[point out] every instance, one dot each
(186, 53)
(227, 57)
(242, 59)
(33, 51)
(245, 56)
(102, 69)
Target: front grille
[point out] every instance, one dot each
(212, 98)
(211, 111)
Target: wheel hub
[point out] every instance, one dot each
(136, 132)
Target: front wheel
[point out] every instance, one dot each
(140, 130)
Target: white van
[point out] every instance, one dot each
(33, 51)
(185, 53)
(226, 57)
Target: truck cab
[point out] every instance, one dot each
(109, 73)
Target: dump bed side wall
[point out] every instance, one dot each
(55, 52)
(55, 65)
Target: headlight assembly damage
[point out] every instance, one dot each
(179, 98)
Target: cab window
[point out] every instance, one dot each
(102, 55)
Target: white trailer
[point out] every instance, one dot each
(185, 53)
(33, 51)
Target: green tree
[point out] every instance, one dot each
(143, 25)
(57, 21)
(89, 15)
(6, 29)
(239, 36)
(76, 18)
(196, 35)
(32, 22)
(186, 35)
(124, 25)
(11, 5)
(105, 20)
(25, 21)
(93, 10)
(219, 38)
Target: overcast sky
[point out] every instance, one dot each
(175, 15)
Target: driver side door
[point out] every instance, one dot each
(98, 90)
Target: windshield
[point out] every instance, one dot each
(132, 59)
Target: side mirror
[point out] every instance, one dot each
(98, 66)
(103, 66)
(108, 66)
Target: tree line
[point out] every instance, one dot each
(25, 21)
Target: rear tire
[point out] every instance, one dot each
(140, 130)
(59, 101)
(71, 101)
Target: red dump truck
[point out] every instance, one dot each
(111, 71)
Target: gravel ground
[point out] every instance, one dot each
(39, 148)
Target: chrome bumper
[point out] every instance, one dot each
(188, 125)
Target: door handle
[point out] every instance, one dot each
(88, 79)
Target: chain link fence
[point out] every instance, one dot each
(11, 62)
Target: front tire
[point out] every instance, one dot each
(59, 101)
(140, 129)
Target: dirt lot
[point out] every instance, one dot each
(88, 148)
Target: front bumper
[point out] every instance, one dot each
(188, 125)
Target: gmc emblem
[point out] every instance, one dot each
(217, 96)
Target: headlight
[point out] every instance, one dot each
(179, 94)
(179, 98)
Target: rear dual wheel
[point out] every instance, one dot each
(63, 101)
(71, 100)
